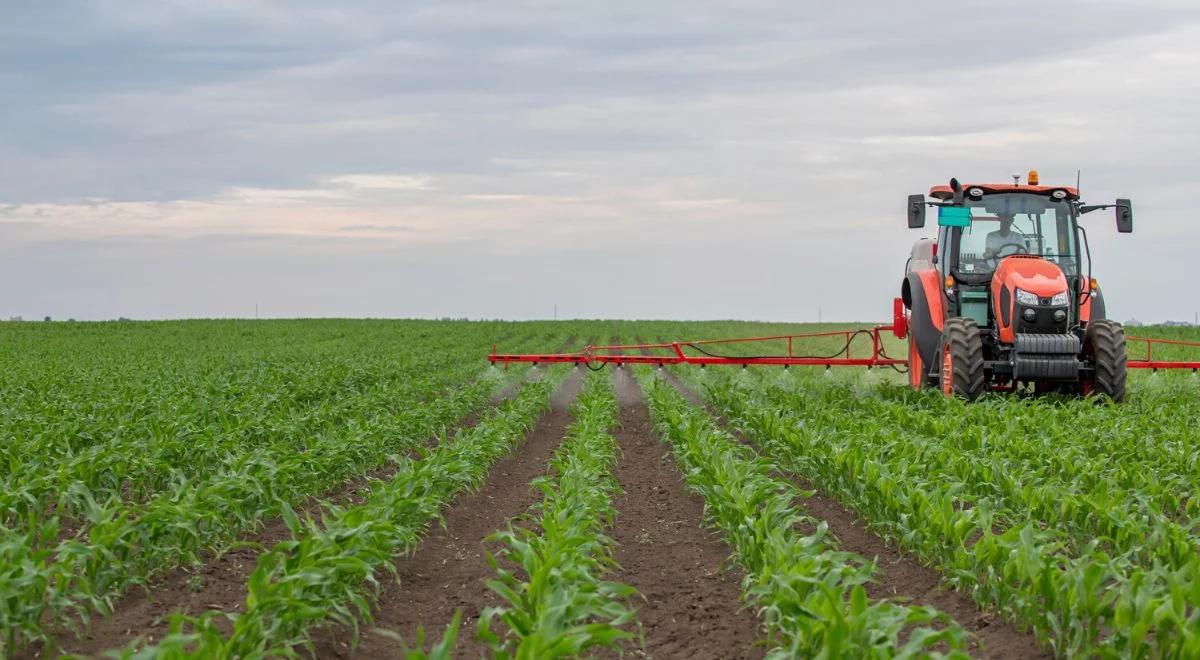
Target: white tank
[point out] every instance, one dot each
(922, 255)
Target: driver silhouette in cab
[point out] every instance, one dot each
(1004, 241)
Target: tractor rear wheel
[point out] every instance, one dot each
(1104, 346)
(962, 359)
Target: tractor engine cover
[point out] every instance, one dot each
(1033, 310)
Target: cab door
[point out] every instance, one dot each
(946, 249)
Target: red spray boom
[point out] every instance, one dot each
(708, 351)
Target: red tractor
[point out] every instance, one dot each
(1003, 298)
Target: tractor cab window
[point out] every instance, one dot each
(1015, 223)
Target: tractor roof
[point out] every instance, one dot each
(944, 192)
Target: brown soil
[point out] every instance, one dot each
(449, 569)
(692, 606)
(903, 579)
(219, 583)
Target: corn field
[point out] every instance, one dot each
(253, 489)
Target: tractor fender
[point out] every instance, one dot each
(1092, 308)
(922, 294)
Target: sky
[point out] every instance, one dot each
(680, 160)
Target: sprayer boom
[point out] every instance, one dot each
(712, 351)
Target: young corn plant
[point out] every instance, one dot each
(811, 595)
(443, 649)
(557, 601)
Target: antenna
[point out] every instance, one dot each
(1016, 179)
(1078, 188)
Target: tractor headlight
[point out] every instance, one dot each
(1059, 299)
(1026, 298)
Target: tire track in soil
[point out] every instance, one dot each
(449, 568)
(692, 606)
(898, 576)
(219, 583)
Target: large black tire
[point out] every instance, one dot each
(1104, 346)
(962, 359)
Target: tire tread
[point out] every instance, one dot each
(966, 355)
(1105, 342)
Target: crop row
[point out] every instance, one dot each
(76, 450)
(1012, 553)
(327, 573)
(557, 601)
(1148, 440)
(1038, 466)
(148, 459)
(263, 422)
(812, 595)
(126, 544)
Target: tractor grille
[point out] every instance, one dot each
(1039, 368)
(1046, 357)
(1054, 344)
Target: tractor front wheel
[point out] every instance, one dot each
(1104, 346)
(962, 359)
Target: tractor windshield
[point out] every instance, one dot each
(1016, 223)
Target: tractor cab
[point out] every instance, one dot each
(1041, 232)
(1009, 275)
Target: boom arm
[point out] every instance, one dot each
(640, 353)
(706, 352)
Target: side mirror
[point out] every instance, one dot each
(916, 211)
(1124, 216)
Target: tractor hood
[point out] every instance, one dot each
(1041, 281)
(1033, 274)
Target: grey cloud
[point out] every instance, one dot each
(383, 229)
(153, 101)
(815, 117)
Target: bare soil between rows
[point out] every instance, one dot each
(664, 552)
(900, 577)
(448, 571)
(692, 606)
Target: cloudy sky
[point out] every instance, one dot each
(163, 159)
